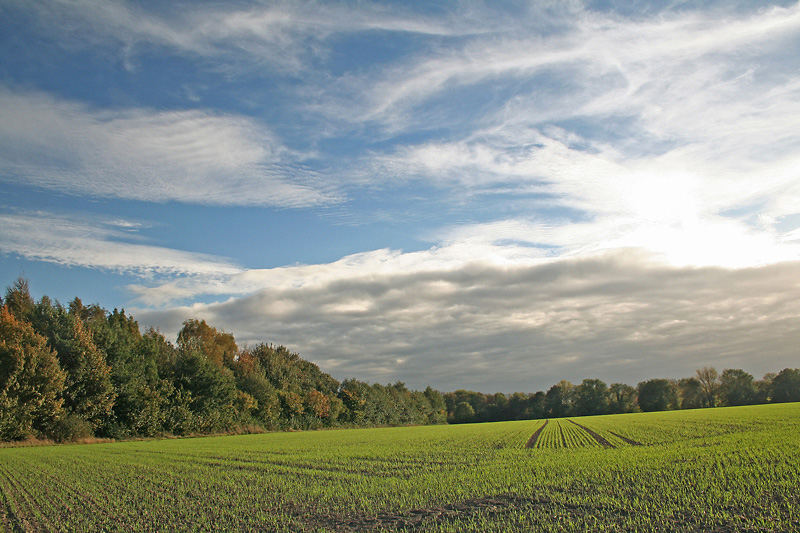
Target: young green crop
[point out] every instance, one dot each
(731, 468)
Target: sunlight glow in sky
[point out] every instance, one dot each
(489, 195)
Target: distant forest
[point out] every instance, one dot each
(81, 371)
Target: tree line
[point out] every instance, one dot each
(706, 388)
(81, 371)
(75, 372)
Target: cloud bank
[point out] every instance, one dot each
(618, 317)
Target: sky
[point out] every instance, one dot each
(485, 195)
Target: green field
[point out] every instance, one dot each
(727, 469)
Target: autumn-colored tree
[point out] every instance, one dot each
(292, 405)
(317, 404)
(31, 381)
(220, 348)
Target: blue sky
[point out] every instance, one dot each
(484, 195)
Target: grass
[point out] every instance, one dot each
(729, 469)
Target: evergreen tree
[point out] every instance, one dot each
(88, 392)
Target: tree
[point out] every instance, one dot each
(621, 398)
(317, 404)
(690, 392)
(657, 395)
(737, 387)
(354, 394)
(536, 406)
(463, 412)
(211, 390)
(764, 388)
(220, 348)
(88, 391)
(267, 411)
(591, 398)
(709, 385)
(18, 299)
(438, 408)
(498, 407)
(559, 399)
(142, 371)
(786, 386)
(31, 381)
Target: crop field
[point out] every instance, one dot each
(727, 469)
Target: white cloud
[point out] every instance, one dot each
(375, 263)
(597, 48)
(102, 244)
(186, 156)
(284, 35)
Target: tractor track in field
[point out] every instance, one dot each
(626, 439)
(602, 441)
(532, 441)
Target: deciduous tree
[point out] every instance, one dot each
(737, 387)
(657, 395)
(31, 381)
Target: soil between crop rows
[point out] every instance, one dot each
(532, 441)
(600, 439)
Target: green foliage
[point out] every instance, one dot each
(18, 299)
(211, 391)
(88, 390)
(591, 398)
(463, 412)
(690, 393)
(622, 398)
(560, 399)
(657, 395)
(737, 387)
(786, 386)
(71, 428)
(267, 411)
